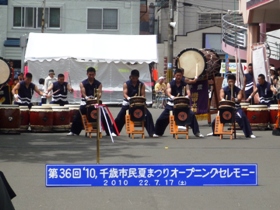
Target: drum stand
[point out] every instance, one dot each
(89, 126)
(130, 126)
(174, 128)
(276, 130)
(219, 127)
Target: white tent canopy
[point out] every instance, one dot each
(113, 57)
(92, 47)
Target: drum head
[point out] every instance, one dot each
(188, 59)
(5, 72)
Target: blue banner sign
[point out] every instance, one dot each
(152, 175)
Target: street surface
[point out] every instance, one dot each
(23, 159)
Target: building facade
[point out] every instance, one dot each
(64, 16)
(197, 23)
(191, 15)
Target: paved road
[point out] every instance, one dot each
(23, 158)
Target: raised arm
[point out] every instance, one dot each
(15, 89)
(38, 91)
(222, 94)
(252, 94)
(168, 91)
(69, 88)
(188, 91)
(83, 90)
(244, 83)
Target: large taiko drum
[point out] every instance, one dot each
(9, 118)
(24, 118)
(244, 107)
(273, 112)
(5, 72)
(137, 106)
(198, 63)
(41, 118)
(73, 111)
(61, 118)
(258, 116)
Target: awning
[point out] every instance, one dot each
(12, 42)
(92, 47)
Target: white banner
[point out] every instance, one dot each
(259, 63)
(111, 75)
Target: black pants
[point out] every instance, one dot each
(242, 121)
(6, 194)
(163, 121)
(77, 124)
(60, 103)
(149, 123)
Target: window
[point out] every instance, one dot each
(209, 19)
(31, 17)
(102, 19)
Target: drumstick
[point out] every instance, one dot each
(69, 79)
(231, 89)
(139, 89)
(55, 92)
(178, 95)
(184, 91)
(196, 69)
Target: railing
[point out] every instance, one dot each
(234, 31)
(272, 46)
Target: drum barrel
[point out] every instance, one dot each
(41, 119)
(258, 116)
(25, 118)
(61, 118)
(9, 118)
(73, 111)
(273, 112)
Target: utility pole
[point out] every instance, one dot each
(43, 16)
(169, 74)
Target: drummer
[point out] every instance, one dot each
(48, 81)
(240, 117)
(187, 80)
(130, 89)
(60, 89)
(88, 86)
(265, 91)
(174, 88)
(249, 82)
(24, 90)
